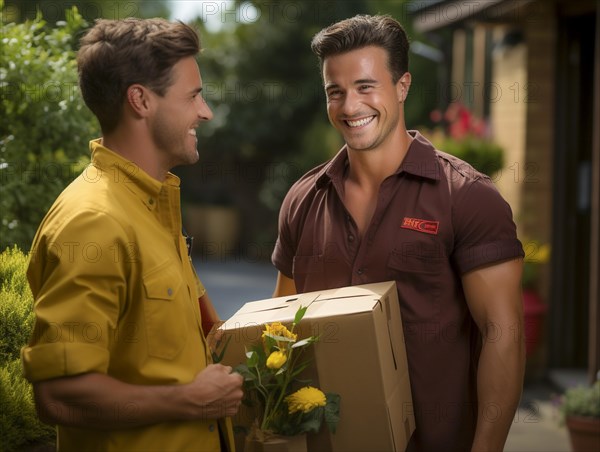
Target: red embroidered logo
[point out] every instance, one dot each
(426, 226)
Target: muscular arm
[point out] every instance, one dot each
(98, 401)
(494, 297)
(284, 286)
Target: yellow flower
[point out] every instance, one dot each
(536, 253)
(544, 253)
(305, 399)
(276, 360)
(278, 329)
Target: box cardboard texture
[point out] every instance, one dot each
(360, 355)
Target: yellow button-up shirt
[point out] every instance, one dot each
(115, 293)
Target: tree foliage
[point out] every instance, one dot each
(45, 128)
(263, 83)
(22, 10)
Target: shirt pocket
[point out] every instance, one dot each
(164, 311)
(418, 277)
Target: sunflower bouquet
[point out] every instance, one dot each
(284, 404)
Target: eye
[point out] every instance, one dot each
(363, 88)
(334, 94)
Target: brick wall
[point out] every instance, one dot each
(508, 117)
(540, 37)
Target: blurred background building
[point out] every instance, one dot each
(532, 69)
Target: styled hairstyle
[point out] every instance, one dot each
(362, 31)
(115, 54)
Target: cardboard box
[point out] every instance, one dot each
(360, 356)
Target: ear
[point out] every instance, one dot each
(139, 99)
(402, 87)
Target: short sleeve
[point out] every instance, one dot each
(485, 232)
(78, 281)
(284, 250)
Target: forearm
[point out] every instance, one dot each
(102, 402)
(500, 380)
(99, 401)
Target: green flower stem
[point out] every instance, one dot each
(267, 420)
(263, 392)
(269, 415)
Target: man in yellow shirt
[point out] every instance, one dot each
(117, 358)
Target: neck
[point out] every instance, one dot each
(370, 167)
(138, 148)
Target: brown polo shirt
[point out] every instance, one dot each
(436, 219)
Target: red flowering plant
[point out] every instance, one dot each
(460, 133)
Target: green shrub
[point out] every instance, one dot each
(45, 125)
(18, 421)
(16, 313)
(484, 155)
(582, 401)
(19, 424)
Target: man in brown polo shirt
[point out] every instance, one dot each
(389, 206)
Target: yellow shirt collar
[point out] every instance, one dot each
(138, 181)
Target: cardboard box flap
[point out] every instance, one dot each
(342, 301)
(268, 312)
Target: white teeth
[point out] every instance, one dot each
(360, 122)
(192, 132)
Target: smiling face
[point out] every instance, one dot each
(178, 114)
(363, 103)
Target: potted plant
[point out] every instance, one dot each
(460, 133)
(536, 255)
(581, 411)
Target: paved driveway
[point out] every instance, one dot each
(231, 282)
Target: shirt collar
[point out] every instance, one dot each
(137, 180)
(420, 160)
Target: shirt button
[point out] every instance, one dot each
(169, 291)
(151, 201)
(360, 271)
(351, 238)
(211, 428)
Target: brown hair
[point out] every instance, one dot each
(115, 54)
(362, 31)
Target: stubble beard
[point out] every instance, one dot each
(173, 144)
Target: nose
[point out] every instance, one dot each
(351, 104)
(204, 111)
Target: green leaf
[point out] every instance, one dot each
(298, 368)
(270, 342)
(304, 342)
(300, 314)
(252, 360)
(332, 411)
(279, 338)
(311, 421)
(244, 371)
(218, 357)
